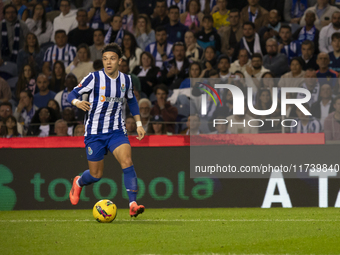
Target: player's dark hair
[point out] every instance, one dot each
(248, 23)
(257, 55)
(114, 47)
(161, 87)
(286, 26)
(59, 31)
(308, 42)
(208, 17)
(160, 29)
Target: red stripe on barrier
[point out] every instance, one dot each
(170, 141)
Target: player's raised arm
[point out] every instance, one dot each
(85, 86)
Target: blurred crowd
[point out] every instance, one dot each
(48, 47)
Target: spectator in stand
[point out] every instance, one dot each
(332, 122)
(223, 65)
(61, 97)
(124, 68)
(250, 41)
(58, 77)
(274, 61)
(5, 110)
(130, 50)
(334, 55)
(235, 124)
(295, 77)
(156, 126)
(42, 124)
(55, 106)
(60, 128)
(322, 108)
(39, 25)
(178, 68)
(256, 14)
(241, 63)
(31, 54)
(143, 32)
(194, 51)
(41, 99)
(273, 28)
(254, 72)
(131, 127)
(26, 80)
(99, 15)
(164, 108)
(231, 35)
(307, 56)
(308, 32)
(288, 47)
(116, 31)
(147, 7)
(11, 127)
(66, 20)
(96, 48)
(69, 116)
(161, 50)
(83, 33)
(181, 4)
(306, 123)
(325, 74)
(22, 10)
(294, 10)
(129, 13)
(208, 35)
(195, 71)
(162, 18)
(193, 17)
(79, 130)
(311, 83)
(5, 91)
(221, 17)
(145, 109)
(193, 125)
(25, 109)
(13, 33)
(175, 30)
(147, 73)
(209, 61)
(81, 65)
(325, 39)
(61, 50)
(323, 13)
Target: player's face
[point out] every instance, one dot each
(307, 51)
(111, 61)
(336, 44)
(285, 34)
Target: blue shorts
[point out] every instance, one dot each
(98, 145)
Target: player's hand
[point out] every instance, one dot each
(141, 133)
(84, 105)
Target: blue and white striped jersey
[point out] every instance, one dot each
(313, 126)
(66, 54)
(106, 96)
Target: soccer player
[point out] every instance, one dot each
(105, 127)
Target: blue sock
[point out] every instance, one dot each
(130, 182)
(86, 179)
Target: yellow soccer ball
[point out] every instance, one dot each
(104, 211)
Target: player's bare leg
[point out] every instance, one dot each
(123, 155)
(94, 174)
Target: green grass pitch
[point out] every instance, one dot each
(173, 231)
